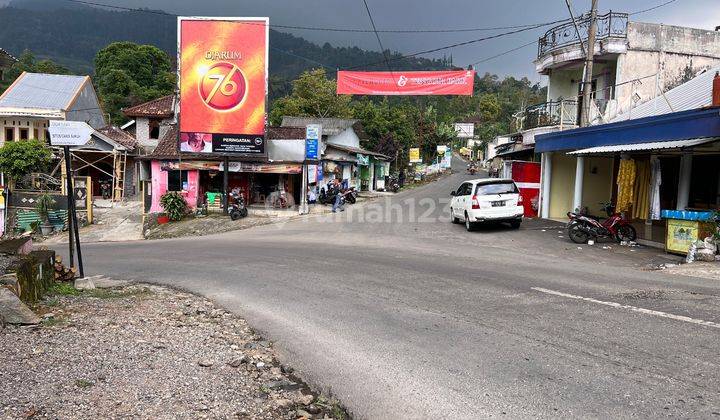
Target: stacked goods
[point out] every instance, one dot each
(62, 273)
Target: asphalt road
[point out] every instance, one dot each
(403, 315)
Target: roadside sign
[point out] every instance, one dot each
(441, 149)
(313, 133)
(69, 133)
(465, 130)
(415, 155)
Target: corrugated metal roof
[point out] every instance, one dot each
(693, 94)
(330, 126)
(42, 91)
(658, 145)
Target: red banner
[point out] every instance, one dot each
(405, 82)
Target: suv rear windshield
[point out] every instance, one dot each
(506, 187)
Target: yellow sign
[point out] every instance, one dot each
(680, 235)
(415, 155)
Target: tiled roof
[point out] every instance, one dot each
(160, 107)
(167, 147)
(119, 136)
(42, 91)
(286, 133)
(5, 53)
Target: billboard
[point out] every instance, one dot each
(223, 70)
(465, 130)
(405, 82)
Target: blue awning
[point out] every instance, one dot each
(668, 127)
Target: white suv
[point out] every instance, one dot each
(488, 199)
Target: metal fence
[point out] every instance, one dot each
(610, 25)
(550, 114)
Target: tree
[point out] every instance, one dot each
(20, 158)
(127, 74)
(28, 63)
(313, 95)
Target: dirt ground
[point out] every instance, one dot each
(144, 351)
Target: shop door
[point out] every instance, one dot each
(527, 177)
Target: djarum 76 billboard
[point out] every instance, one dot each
(223, 70)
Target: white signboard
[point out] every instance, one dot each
(69, 133)
(441, 149)
(313, 132)
(465, 130)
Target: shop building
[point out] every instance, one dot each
(657, 162)
(271, 182)
(634, 62)
(342, 154)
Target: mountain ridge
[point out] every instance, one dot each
(33, 25)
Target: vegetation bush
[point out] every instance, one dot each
(20, 158)
(174, 205)
(43, 205)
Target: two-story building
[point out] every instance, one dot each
(634, 62)
(150, 121)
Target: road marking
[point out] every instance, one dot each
(632, 308)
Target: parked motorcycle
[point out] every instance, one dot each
(472, 169)
(106, 189)
(350, 195)
(583, 227)
(393, 184)
(237, 208)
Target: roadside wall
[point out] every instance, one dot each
(561, 185)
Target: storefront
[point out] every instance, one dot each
(264, 184)
(654, 170)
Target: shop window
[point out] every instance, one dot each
(9, 134)
(177, 180)
(24, 132)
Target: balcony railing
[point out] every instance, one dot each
(610, 25)
(549, 114)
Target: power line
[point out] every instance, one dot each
(460, 44)
(652, 8)
(377, 36)
(315, 28)
(310, 60)
(533, 42)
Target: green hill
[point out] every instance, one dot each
(71, 34)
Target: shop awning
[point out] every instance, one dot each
(657, 145)
(693, 124)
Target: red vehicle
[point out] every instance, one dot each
(583, 227)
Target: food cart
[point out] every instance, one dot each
(683, 227)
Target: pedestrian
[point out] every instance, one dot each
(337, 204)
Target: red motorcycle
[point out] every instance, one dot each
(583, 227)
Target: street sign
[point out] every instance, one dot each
(441, 149)
(415, 155)
(69, 133)
(313, 134)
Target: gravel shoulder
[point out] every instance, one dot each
(145, 351)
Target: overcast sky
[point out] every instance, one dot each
(437, 14)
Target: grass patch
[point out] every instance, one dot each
(63, 289)
(52, 322)
(83, 383)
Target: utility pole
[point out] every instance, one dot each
(587, 82)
